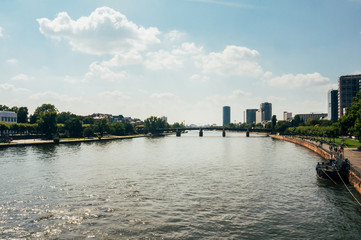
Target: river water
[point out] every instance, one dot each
(171, 187)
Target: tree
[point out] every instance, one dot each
(274, 122)
(152, 123)
(73, 127)
(3, 127)
(42, 109)
(22, 115)
(129, 128)
(296, 121)
(64, 116)
(4, 108)
(281, 126)
(351, 121)
(118, 129)
(100, 127)
(47, 123)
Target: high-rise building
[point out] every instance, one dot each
(267, 109)
(332, 105)
(226, 115)
(287, 116)
(348, 87)
(250, 116)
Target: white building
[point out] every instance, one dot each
(8, 117)
(287, 116)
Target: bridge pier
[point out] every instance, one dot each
(224, 133)
(201, 132)
(178, 133)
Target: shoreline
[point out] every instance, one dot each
(36, 142)
(353, 156)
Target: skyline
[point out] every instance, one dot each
(180, 59)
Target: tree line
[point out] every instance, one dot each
(47, 120)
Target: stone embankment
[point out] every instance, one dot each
(352, 155)
(30, 142)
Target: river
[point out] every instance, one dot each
(186, 187)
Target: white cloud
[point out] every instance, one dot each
(233, 61)
(104, 31)
(299, 80)
(120, 60)
(1, 32)
(239, 93)
(12, 61)
(174, 36)
(100, 72)
(165, 95)
(21, 77)
(114, 95)
(199, 78)
(50, 95)
(162, 60)
(11, 88)
(188, 48)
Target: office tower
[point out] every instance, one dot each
(226, 115)
(348, 86)
(333, 105)
(266, 108)
(250, 116)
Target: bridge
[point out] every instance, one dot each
(178, 131)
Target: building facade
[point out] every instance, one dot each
(264, 113)
(304, 117)
(226, 115)
(267, 109)
(8, 117)
(250, 116)
(287, 116)
(332, 105)
(348, 87)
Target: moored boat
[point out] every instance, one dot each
(334, 170)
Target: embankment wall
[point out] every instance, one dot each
(354, 175)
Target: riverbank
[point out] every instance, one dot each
(352, 154)
(30, 142)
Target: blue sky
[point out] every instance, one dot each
(183, 59)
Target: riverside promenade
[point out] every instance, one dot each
(31, 142)
(352, 154)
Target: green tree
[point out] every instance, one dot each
(118, 129)
(73, 127)
(64, 116)
(274, 122)
(152, 123)
(297, 121)
(88, 132)
(40, 110)
(47, 123)
(3, 127)
(100, 127)
(281, 126)
(4, 108)
(351, 121)
(22, 115)
(129, 128)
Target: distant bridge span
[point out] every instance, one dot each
(213, 128)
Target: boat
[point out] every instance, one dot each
(335, 170)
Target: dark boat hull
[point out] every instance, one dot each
(334, 170)
(332, 174)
